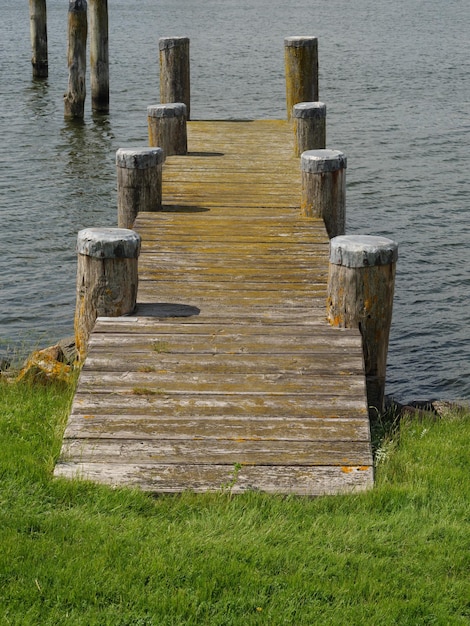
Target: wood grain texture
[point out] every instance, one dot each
(99, 55)
(104, 287)
(169, 478)
(74, 97)
(324, 195)
(363, 298)
(168, 133)
(137, 190)
(38, 31)
(175, 71)
(301, 70)
(228, 361)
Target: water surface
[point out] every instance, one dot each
(395, 78)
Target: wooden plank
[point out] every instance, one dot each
(227, 383)
(157, 316)
(199, 325)
(300, 406)
(206, 298)
(305, 481)
(216, 427)
(228, 452)
(155, 271)
(99, 360)
(165, 312)
(182, 343)
(249, 289)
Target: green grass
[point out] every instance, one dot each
(81, 554)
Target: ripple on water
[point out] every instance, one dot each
(397, 107)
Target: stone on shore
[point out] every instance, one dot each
(48, 365)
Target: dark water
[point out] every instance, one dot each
(396, 80)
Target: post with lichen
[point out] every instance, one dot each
(167, 127)
(323, 192)
(309, 126)
(139, 182)
(99, 55)
(38, 30)
(174, 71)
(301, 68)
(107, 278)
(74, 98)
(360, 295)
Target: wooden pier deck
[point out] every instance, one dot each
(227, 373)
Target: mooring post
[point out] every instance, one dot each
(309, 126)
(174, 71)
(360, 295)
(74, 98)
(38, 30)
(139, 181)
(167, 127)
(301, 68)
(107, 278)
(99, 56)
(324, 188)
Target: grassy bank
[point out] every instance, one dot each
(76, 553)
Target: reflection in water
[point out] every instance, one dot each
(58, 177)
(87, 156)
(38, 98)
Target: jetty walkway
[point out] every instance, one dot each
(227, 374)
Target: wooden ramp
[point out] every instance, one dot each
(227, 375)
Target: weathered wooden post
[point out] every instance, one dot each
(360, 295)
(74, 98)
(139, 177)
(301, 67)
(175, 71)
(38, 30)
(324, 188)
(167, 127)
(309, 126)
(107, 278)
(99, 56)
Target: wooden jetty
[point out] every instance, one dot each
(227, 374)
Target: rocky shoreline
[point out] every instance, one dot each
(54, 363)
(422, 408)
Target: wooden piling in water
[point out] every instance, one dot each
(175, 71)
(38, 30)
(167, 127)
(74, 98)
(139, 176)
(324, 188)
(360, 295)
(99, 55)
(309, 126)
(301, 68)
(106, 278)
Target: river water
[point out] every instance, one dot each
(396, 80)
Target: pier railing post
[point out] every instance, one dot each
(99, 55)
(360, 295)
(38, 30)
(309, 126)
(175, 71)
(324, 188)
(167, 127)
(74, 98)
(107, 278)
(301, 68)
(139, 181)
